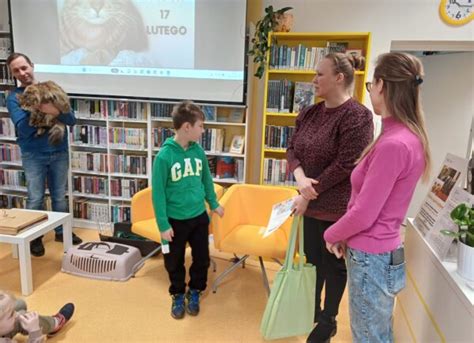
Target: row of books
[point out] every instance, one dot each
(103, 109)
(7, 129)
(100, 212)
(127, 137)
(89, 135)
(286, 96)
(89, 161)
(102, 163)
(128, 164)
(120, 213)
(302, 57)
(83, 208)
(160, 135)
(298, 57)
(19, 201)
(10, 153)
(119, 137)
(97, 185)
(126, 188)
(225, 167)
(278, 136)
(6, 78)
(124, 110)
(277, 172)
(12, 178)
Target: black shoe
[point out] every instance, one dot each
(62, 317)
(75, 239)
(324, 330)
(37, 247)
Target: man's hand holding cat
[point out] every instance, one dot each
(49, 108)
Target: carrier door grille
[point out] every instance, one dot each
(93, 265)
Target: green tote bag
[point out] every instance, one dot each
(290, 308)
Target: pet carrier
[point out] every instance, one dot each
(106, 261)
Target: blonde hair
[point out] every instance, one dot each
(346, 65)
(402, 74)
(7, 304)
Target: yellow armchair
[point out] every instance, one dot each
(247, 211)
(143, 215)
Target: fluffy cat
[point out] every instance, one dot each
(101, 29)
(40, 93)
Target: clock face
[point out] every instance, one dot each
(459, 9)
(457, 12)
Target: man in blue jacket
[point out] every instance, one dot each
(41, 160)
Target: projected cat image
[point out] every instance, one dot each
(102, 32)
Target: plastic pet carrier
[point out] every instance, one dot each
(100, 260)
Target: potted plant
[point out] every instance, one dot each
(463, 216)
(273, 21)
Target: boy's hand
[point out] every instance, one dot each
(49, 108)
(30, 321)
(168, 235)
(220, 211)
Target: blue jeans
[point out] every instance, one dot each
(50, 166)
(373, 284)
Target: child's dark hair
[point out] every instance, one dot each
(186, 112)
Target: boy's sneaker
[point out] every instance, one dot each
(177, 307)
(193, 296)
(62, 317)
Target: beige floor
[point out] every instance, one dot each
(138, 310)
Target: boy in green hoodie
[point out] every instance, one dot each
(181, 182)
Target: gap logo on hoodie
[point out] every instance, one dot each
(190, 169)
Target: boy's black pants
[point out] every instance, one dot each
(196, 232)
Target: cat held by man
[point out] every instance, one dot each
(41, 93)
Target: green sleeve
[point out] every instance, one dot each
(158, 192)
(208, 184)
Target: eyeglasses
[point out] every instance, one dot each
(368, 86)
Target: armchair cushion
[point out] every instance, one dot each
(247, 240)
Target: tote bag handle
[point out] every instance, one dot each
(296, 228)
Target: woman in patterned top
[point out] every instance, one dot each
(328, 138)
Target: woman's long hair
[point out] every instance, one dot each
(402, 75)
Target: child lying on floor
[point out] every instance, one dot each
(14, 319)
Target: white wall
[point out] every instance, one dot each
(387, 20)
(448, 100)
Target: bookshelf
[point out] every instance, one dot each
(114, 143)
(291, 64)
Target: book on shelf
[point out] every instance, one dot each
(210, 113)
(237, 145)
(237, 115)
(337, 46)
(225, 168)
(304, 96)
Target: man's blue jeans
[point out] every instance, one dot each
(373, 284)
(50, 166)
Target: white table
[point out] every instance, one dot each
(23, 239)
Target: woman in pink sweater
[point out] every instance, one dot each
(382, 186)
